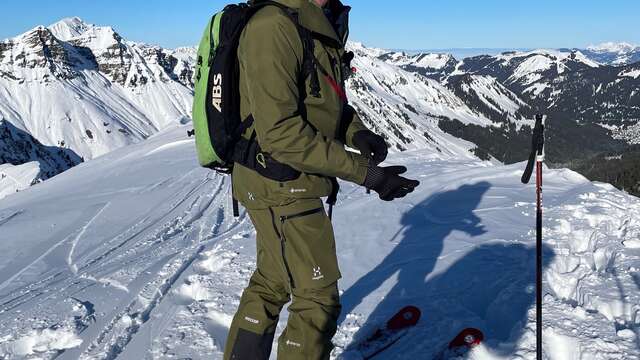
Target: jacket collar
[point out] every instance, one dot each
(312, 17)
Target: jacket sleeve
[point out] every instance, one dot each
(270, 60)
(354, 125)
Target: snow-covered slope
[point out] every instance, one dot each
(435, 66)
(69, 28)
(614, 53)
(527, 72)
(14, 178)
(84, 87)
(25, 161)
(136, 255)
(406, 107)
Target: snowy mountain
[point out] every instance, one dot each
(25, 161)
(141, 258)
(614, 53)
(593, 108)
(527, 72)
(406, 107)
(134, 254)
(84, 87)
(434, 66)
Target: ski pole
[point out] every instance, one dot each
(537, 156)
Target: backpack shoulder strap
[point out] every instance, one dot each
(308, 46)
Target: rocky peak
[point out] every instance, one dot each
(38, 48)
(112, 55)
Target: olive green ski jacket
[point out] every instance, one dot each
(298, 130)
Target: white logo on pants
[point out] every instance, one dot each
(291, 343)
(317, 273)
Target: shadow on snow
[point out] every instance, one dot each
(491, 287)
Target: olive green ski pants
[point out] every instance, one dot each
(296, 260)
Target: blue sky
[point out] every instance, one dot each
(398, 24)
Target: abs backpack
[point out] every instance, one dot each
(216, 106)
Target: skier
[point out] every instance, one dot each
(300, 125)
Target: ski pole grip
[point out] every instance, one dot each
(528, 171)
(537, 147)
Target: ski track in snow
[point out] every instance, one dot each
(155, 265)
(6, 218)
(77, 238)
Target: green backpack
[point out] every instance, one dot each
(216, 106)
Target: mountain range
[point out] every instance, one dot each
(122, 247)
(83, 90)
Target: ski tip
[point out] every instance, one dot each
(408, 316)
(468, 337)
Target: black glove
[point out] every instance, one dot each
(371, 146)
(388, 183)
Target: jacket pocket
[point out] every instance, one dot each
(308, 247)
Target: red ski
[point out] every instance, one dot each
(464, 342)
(394, 330)
(401, 323)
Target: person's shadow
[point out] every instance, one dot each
(490, 287)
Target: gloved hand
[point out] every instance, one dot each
(371, 146)
(388, 183)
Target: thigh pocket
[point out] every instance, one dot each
(310, 249)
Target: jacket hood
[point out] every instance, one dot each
(312, 17)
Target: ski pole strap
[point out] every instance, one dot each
(333, 197)
(234, 202)
(537, 148)
(236, 208)
(528, 171)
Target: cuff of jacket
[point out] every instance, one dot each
(355, 125)
(361, 169)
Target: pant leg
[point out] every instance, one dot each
(254, 324)
(313, 317)
(309, 249)
(296, 254)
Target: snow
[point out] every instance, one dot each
(537, 88)
(619, 48)
(629, 132)
(532, 64)
(491, 92)
(69, 28)
(433, 61)
(579, 56)
(537, 63)
(556, 55)
(381, 92)
(14, 178)
(40, 341)
(136, 255)
(423, 60)
(631, 73)
(119, 95)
